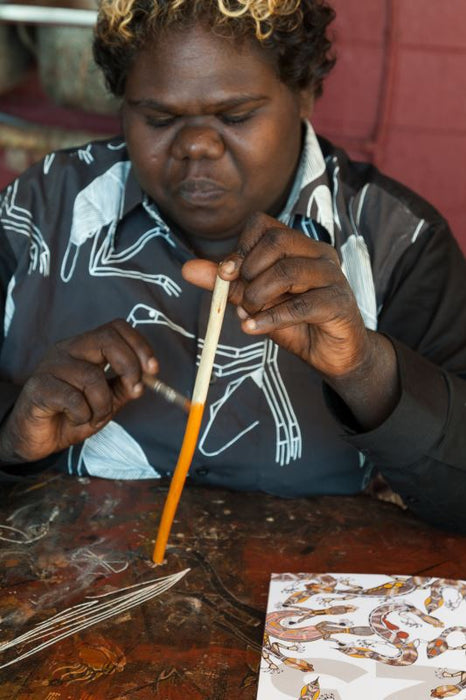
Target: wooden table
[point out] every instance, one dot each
(76, 539)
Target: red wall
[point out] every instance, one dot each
(397, 96)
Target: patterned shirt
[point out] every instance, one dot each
(82, 244)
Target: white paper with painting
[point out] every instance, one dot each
(348, 637)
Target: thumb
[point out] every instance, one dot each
(202, 273)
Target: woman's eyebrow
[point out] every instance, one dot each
(220, 105)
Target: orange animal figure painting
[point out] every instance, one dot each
(196, 411)
(98, 658)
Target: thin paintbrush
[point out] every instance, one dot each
(169, 394)
(193, 426)
(159, 387)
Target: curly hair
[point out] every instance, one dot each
(293, 32)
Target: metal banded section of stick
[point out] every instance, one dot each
(167, 392)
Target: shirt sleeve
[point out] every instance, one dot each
(421, 447)
(8, 392)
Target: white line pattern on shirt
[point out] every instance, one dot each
(97, 206)
(258, 362)
(18, 220)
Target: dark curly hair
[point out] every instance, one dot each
(293, 31)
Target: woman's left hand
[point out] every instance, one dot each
(293, 289)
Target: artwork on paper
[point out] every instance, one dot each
(347, 637)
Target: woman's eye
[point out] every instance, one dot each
(236, 118)
(159, 122)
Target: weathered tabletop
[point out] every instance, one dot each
(75, 540)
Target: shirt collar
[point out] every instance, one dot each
(311, 173)
(133, 195)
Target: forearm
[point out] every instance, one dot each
(434, 490)
(433, 483)
(8, 395)
(420, 448)
(9, 452)
(13, 468)
(372, 390)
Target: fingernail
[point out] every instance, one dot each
(228, 267)
(138, 389)
(250, 325)
(152, 365)
(242, 313)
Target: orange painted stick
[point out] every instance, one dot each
(193, 426)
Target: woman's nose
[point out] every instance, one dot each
(197, 142)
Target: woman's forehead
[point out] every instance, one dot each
(192, 49)
(194, 60)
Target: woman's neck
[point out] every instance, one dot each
(213, 248)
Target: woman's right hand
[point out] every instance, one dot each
(71, 396)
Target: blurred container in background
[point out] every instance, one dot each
(15, 58)
(74, 80)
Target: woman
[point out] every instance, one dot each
(341, 278)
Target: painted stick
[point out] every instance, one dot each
(193, 426)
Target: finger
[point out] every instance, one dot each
(91, 381)
(279, 243)
(49, 415)
(139, 344)
(203, 273)
(315, 307)
(289, 276)
(256, 227)
(46, 395)
(128, 360)
(119, 345)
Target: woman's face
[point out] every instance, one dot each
(212, 132)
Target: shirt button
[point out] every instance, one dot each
(203, 471)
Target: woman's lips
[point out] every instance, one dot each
(200, 191)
